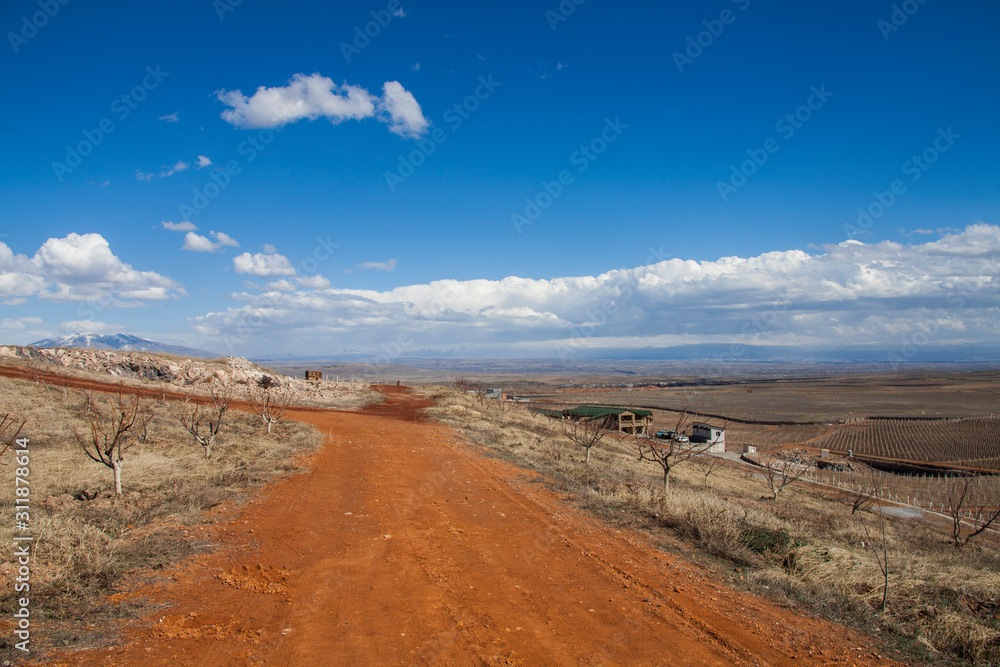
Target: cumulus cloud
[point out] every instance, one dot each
(202, 161)
(378, 266)
(185, 226)
(263, 265)
(198, 243)
(404, 115)
(79, 267)
(224, 239)
(170, 117)
(851, 293)
(314, 96)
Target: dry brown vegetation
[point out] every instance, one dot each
(86, 538)
(807, 548)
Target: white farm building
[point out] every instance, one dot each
(702, 432)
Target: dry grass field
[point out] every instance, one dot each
(807, 548)
(85, 538)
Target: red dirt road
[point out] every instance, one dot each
(401, 545)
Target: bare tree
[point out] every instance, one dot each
(779, 473)
(865, 495)
(205, 424)
(268, 399)
(708, 464)
(879, 546)
(585, 433)
(670, 453)
(112, 431)
(7, 435)
(970, 502)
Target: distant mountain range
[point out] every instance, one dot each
(122, 341)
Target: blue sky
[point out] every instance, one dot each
(513, 179)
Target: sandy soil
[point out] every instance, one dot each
(402, 545)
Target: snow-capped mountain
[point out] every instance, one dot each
(121, 341)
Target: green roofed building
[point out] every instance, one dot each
(626, 420)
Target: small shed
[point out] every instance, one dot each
(626, 420)
(314, 375)
(702, 432)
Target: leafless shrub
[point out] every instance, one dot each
(708, 464)
(8, 434)
(113, 430)
(668, 454)
(671, 452)
(878, 545)
(268, 399)
(204, 423)
(779, 473)
(585, 433)
(972, 504)
(864, 495)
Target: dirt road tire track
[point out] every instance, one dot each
(402, 545)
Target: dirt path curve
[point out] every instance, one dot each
(401, 545)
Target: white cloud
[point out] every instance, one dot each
(314, 96)
(198, 243)
(263, 266)
(401, 13)
(378, 266)
(314, 282)
(20, 323)
(177, 168)
(185, 226)
(170, 117)
(79, 267)
(852, 293)
(224, 239)
(143, 176)
(202, 162)
(268, 248)
(74, 326)
(416, 66)
(405, 117)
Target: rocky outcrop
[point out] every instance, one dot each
(196, 374)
